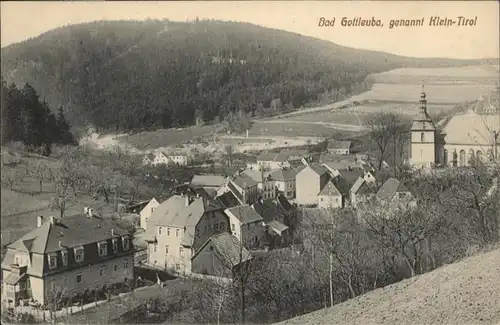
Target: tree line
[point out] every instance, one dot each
(28, 119)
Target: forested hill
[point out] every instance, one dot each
(130, 75)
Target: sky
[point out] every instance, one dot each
(22, 20)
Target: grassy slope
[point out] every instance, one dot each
(467, 292)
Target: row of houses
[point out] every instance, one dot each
(159, 158)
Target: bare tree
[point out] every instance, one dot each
(229, 152)
(382, 127)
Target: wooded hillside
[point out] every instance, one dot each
(130, 75)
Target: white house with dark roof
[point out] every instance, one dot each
(329, 197)
(67, 257)
(309, 182)
(339, 147)
(179, 226)
(282, 159)
(246, 225)
(243, 187)
(155, 158)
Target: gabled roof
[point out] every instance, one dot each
(390, 188)
(329, 190)
(361, 186)
(283, 174)
(228, 200)
(474, 129)
(268, 209)
(277, 226)
(284, 202)
(333, 144)
(244, 181)
(71, 231)
(351, 176)
(245, 214)
(228, 247)
(256, 175)
(317, 168)
(286, 154)
(208, 180)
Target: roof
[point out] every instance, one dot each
(267, 156)
(283, 174)
(361, 186)
(285, 204)
(333, 144)
(256, 175)
(268, 209)
(244, 181)
(471, 129)
(329, 190)
(286, 154)
(339, 164)
(318, 169)
(341, 184)
(71, 231)
(351, 176)
(13, 279)
(208, 180)
(228, 200)
(245, 214)
(228, 247)
(277, 226)
(390, 188)
(174, 213)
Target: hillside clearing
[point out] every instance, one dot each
(467, 292)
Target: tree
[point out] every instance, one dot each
(382, 128)
(229, 152)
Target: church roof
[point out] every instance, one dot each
(423, 122)
(473, 129)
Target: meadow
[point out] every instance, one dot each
(290, 129)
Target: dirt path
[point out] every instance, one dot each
(467, 292)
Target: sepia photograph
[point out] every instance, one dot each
(250, 162)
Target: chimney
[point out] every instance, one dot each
(186, 200)
(39, 221)
(53, 220)
(112, 232)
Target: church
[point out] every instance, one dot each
(455, 141)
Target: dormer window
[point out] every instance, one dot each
(115, 245)
(126, 243)
(52, 260)
(103, 248)
(79, 254)
(64, 257)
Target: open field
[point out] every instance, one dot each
(289, 129)
(436, 94)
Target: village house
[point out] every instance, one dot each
(284, 181)
(246, 225)
(243, 187)
(228, 200)
(209, 181)
(339, 147)
(178, 227)
(220, 256)
(274, 218)
(309, 182)
(180, 160)
(155, 158)
(265, 184)
(66, 257)
(394, 191)
(362, 191)
(146, 212)
(283, 159)
(329, 197)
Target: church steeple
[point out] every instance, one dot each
(423, 121)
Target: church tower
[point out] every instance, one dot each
(423, 136)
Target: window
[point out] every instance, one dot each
(232, 226)
(222, 227)
(78, 278)
(79, 254)
(176, 232)
(166, 249)
(159, 230)
(422, 137)
(155, 247)
(116, 267)
(102, 270)
(103, 248)
(181, 252)
(115, 245)
(64, 257)
(168, 231)
(125, 264)
(216, 227)
(52, 261)
(126, 243)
